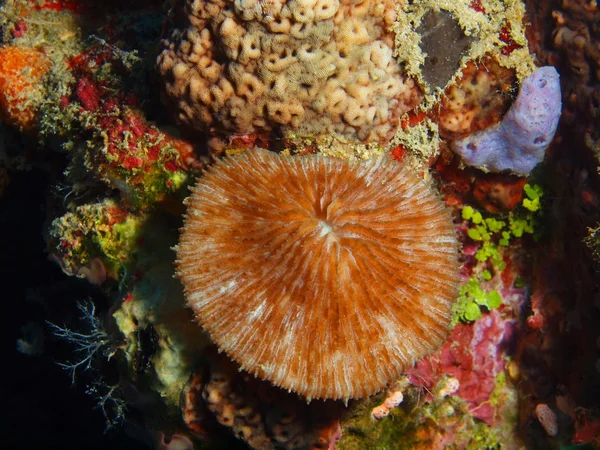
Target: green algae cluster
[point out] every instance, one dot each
(471, 300)
(495, 234)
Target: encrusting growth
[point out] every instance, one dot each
(326, 277)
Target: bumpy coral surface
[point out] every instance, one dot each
(518, 143)
(265, 417)
(311, 66)
(329, 286)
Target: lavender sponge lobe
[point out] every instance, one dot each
(533, 117)
(519, 142)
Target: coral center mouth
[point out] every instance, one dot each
(326, 229)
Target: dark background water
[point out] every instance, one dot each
(41, 409)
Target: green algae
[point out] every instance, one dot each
(497, 234)
(471, 300)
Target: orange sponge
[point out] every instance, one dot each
(21, 73)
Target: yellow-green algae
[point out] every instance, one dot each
(420, 420)
(102, 230)
(339, 147)
(496, 234)
(471, 298)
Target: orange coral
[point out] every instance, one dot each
(324, 276)
(478, 99)
(499, 192)
(21, 72)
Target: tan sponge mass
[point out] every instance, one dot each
(305, 66)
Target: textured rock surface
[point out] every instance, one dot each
(310, 66)
(572, 44)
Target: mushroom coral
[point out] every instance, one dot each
(326, 277)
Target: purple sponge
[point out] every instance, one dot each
(519, 142)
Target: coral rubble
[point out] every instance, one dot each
(256, 412)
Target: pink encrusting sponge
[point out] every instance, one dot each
(519, 142)
(324, 276)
